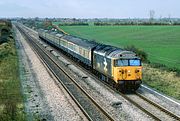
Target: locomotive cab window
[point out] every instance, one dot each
(134, 62)
(121, 62)
(125, 62)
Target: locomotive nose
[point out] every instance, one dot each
(130, 73)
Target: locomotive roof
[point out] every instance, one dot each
(79, 41)
(114, 52)
(123, 54)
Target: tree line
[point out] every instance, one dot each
(74, 24)
(134, 23)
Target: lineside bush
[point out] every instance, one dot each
(142, 54)
(11, 100)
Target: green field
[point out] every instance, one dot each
(162, 43)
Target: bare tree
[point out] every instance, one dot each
(169, 18)
(151, 15)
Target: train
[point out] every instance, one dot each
(118, 67)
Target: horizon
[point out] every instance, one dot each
(78, 18)
(89, 9)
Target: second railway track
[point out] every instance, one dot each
(91, 109)
(164, 110)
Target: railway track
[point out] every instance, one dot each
(171, 114)
(90, 108)
(152, 114)
(168, 114)
(151, 108)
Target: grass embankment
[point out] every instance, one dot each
(162, 43)
(11, 101)
(165, 81)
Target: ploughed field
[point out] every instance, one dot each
(162, 43)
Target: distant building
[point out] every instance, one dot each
(2, 23)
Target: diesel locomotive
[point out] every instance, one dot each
(116, 66)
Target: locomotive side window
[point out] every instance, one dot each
(134, 62)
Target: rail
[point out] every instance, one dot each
(91, 109)
(158, 106)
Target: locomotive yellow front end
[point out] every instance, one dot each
(127, 73)
(127, 70)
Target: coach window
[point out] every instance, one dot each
(57, 39)
(66, 44)
(69, 45)
(75, 48)
(84, 52)
(72, 46)
(62, 43)
(80, 50)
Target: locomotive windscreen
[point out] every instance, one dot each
(126, 62)
(135, 62)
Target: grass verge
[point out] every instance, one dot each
(11, 100)
(167, 82)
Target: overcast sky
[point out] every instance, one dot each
(89, 8)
